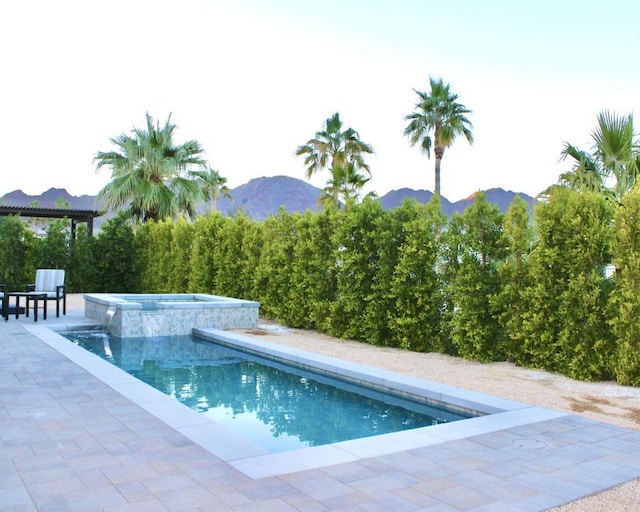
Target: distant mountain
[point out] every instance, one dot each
(501, 198)
(48, 199)
(394, 198)
(262, 197)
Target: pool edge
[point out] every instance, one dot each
(255, 462)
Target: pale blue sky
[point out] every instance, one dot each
(252, 80)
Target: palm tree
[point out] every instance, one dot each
(438, 112)
(213, 186)
(332, 146)
(152, 176)
(342, 152)
(585, 175)
(344, 185)
(612, 167)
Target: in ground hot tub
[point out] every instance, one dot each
(135, 315)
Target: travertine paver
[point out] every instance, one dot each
(69, 442)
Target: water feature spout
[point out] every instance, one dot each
(108, 317)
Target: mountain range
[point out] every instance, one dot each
(261, 197)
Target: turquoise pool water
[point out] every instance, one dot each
(276, 406)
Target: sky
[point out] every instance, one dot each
(251, 80)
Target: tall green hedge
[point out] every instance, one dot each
(313, 270)
(565, 328)
(416, 288)
(625, 298)
(474, 283)
(481, 285)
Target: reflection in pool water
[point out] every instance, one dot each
(277, 407)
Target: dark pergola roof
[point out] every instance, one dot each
(76, 216)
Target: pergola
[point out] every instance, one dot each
(76, 216)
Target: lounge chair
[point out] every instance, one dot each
(3, 289)
(51, 282)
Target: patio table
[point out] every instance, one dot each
(33, 297)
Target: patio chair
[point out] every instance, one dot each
(3, 289)
(51, 282)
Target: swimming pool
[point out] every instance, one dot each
(275, 405)
(256, 462)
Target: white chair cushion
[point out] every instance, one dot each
(47, 280)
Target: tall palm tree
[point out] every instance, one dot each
(439, 112)
(152, 176)
(332, 146)
(612, 166)
(342, 152)
(213, 186)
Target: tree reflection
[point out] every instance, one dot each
(289, 403)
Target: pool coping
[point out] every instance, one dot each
(256, 462)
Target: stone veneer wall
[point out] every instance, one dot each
(171, 318)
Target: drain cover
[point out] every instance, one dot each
(530, 444)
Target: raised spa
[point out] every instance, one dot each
(139, 315)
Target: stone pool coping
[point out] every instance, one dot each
(168, 300)
(256, 462)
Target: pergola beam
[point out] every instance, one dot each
(76, 216)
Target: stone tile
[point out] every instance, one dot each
(272, 505)
(151, 505)
(82, 443)
(387, 503)
(351, 499)
(169, 483)
(9, 476)
(463, 498)
(123, 473)
(268, 488)
(187, 498)
(16, 496)
(135, 492)
(412, 495)
(98, 498)
(300, 501)
(547, 484)
(345, 473)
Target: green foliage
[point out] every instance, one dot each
(478, 286)
(234, 269)
(54, 249)
(273, 276)
(342, 153)
(313, 270)
(204, 267)
(513, 271)
(153, 246)
(612, 167)
(625, 299)
(359, 243)
(181, 249)
(81, 274)
(151, 176)
(117, 261)
(474, 283)
(415, 318)
(437, 111)
(565, 327)
(17, 254)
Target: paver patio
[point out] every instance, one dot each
(70, 442)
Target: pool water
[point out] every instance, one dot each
(276, 406)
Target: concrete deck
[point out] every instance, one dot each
(69, 441)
